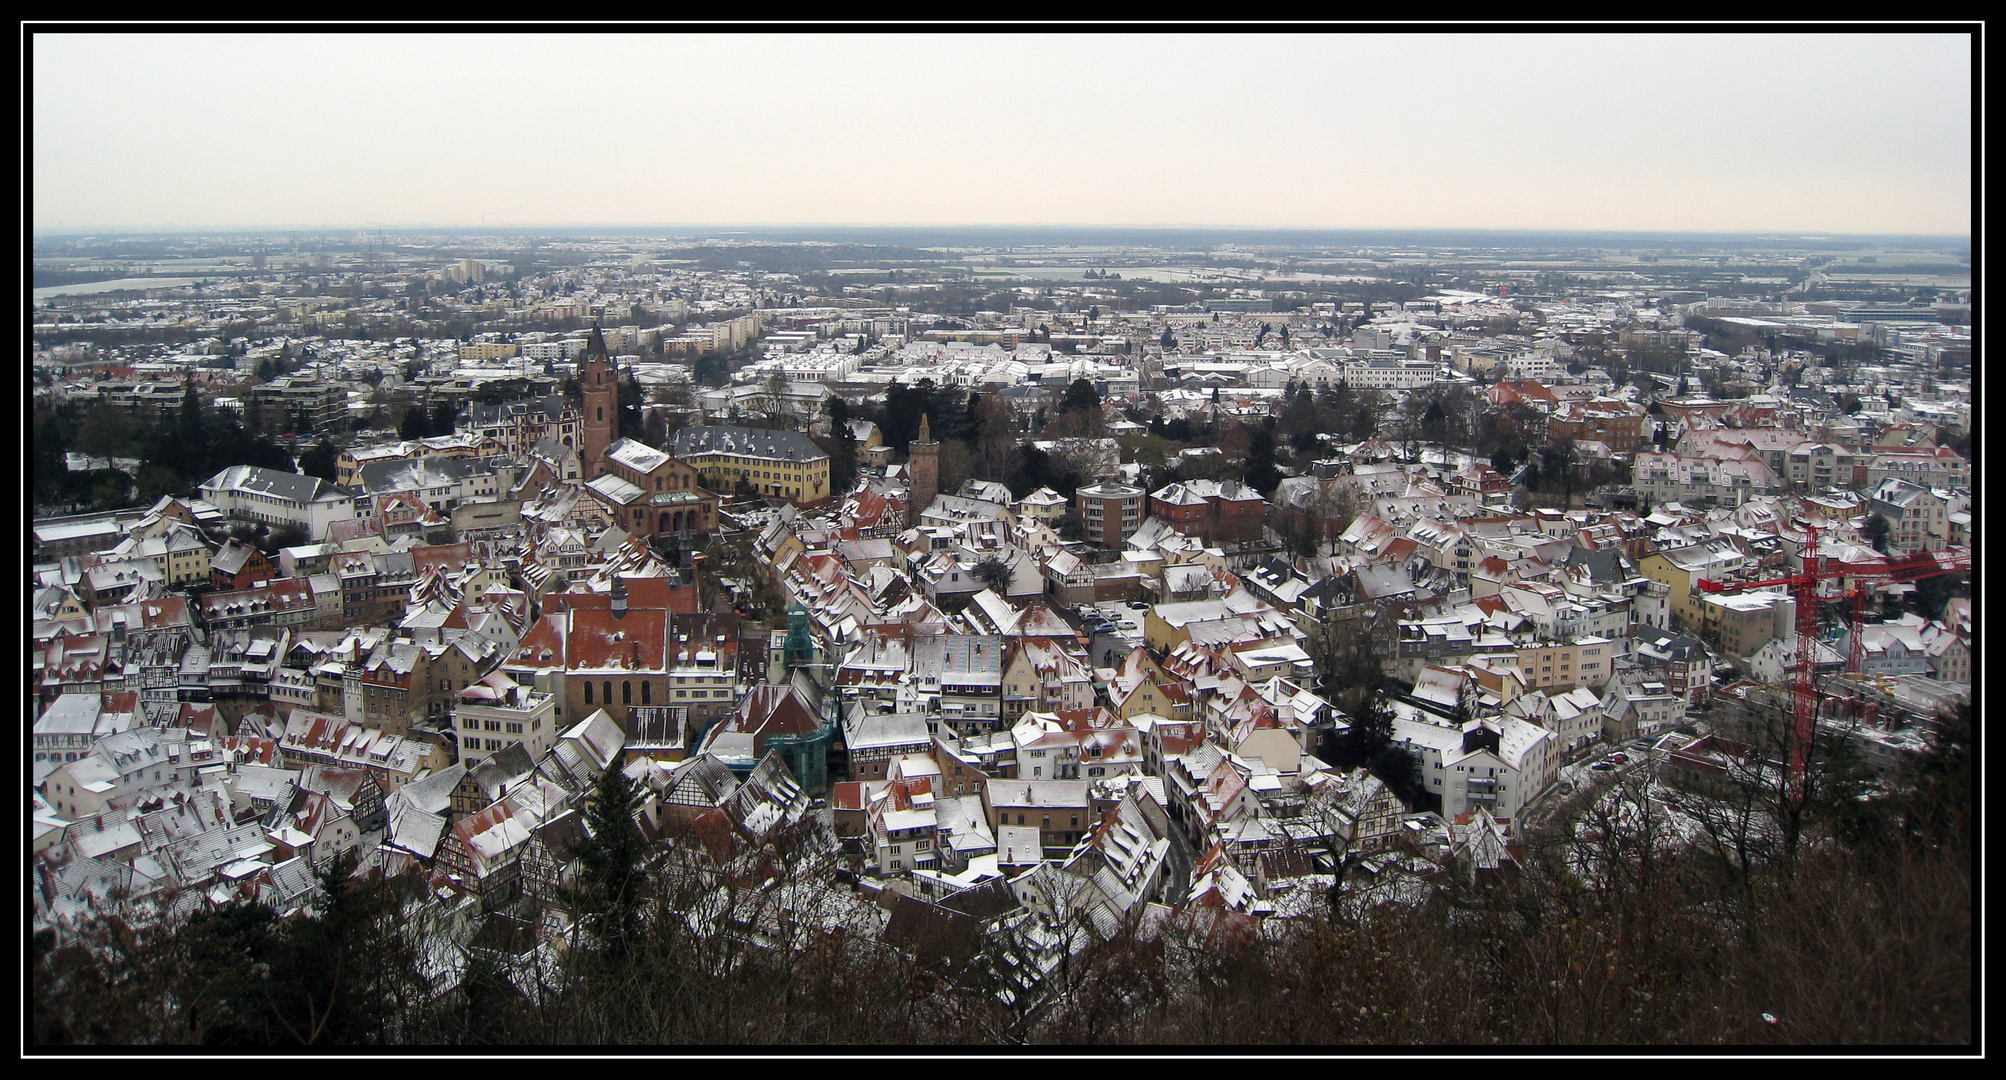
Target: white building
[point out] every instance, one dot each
(1501, 765)
(497, 712)
(279, 498)
(1391, 373)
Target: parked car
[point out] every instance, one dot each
(1602, 766)
(1620, 758)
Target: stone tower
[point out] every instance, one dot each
(601, 386)
(923, 471)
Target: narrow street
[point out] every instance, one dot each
(1177, 882)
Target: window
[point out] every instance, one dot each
(626, 692)
(588, 693)
(606, 691)
(647, 696)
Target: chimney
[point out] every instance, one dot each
(619, 597)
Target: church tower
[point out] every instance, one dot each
(601, 386)
(923, 470)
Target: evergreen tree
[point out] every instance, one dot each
(444, 416)
(1433, 421)
(993, 572)
(1370, 733)
(1875, 531)
(50, 469)
(1400, 770)
(319, 460)
(630, 407)
(344, 973)
(1080, 397)
(1303, 537)
(414, 425)
(1262, 475)
(610, 878)
(193, 448)
(842, 451)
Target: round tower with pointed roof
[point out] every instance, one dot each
(923, 470)
(600, 382)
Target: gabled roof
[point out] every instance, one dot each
(284, 486)
(777, 445)
(775, 710)
(597, 739)
(700, 781)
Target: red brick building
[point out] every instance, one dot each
(1617, 423)
(1216, 512)
(1112, 512)
(612, 651)
(652, 494)
(239, 566)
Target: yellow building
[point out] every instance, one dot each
(178, 550)
(1556, 666)
(1680, 568)
(1549, 666)
(782, 464)
(1168, 699)
(1740, 623)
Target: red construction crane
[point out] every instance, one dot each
(1924, 564)
(1803, 588)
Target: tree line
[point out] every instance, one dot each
(178, 449)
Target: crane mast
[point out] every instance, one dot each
(1804, 590)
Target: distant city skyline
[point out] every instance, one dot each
(1812, 133)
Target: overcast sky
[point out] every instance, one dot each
(1813, 133)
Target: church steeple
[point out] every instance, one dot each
(598, 384)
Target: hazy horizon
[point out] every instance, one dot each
(1818, 134)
